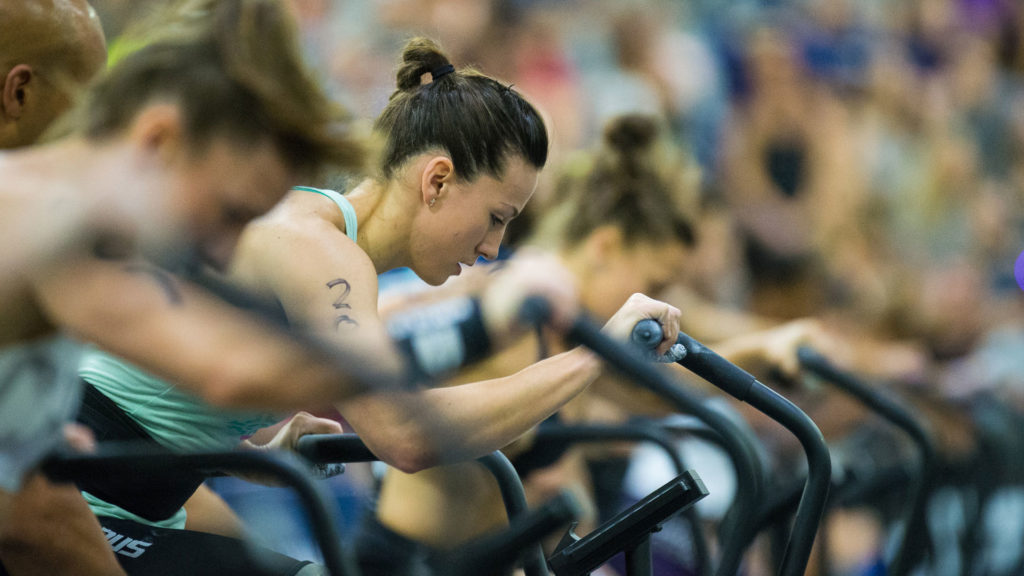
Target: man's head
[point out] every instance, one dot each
(48, 50)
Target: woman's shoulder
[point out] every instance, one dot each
(289, 240)
(300, 220)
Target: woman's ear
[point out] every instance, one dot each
(438, 174)
(157, 129)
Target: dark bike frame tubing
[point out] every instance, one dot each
(914, 539)
(726, 376)
(129, 458)
(514, 496)
(332, 448)
(734, 534)
(494, 552)
(637, 432)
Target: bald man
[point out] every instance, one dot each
(48, 50)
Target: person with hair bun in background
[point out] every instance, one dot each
(622, 222)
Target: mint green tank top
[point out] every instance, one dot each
(174, 418)
(351, 224)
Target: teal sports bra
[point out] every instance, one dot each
(351, 224)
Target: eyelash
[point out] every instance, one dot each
(497, 221)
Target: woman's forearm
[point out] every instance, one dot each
(488, 415)
(468, 420)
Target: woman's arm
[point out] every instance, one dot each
(327, 283)
(153, 319)
(479, 417)
(485, 413)
(324, 281)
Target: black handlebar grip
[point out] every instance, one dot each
(647, 334)
(535, 310)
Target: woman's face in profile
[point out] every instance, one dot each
(468, 221)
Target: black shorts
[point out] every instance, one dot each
(144, 550)
(151, 495)
(147, 550)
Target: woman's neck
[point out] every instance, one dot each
(384, 223)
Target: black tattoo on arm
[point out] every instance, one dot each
(165, 280)
(340, 304)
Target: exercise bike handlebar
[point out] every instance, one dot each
(735, 534)
(740, 384)
(893, 411)
(128, 459)
(913, 538)
(333, 448)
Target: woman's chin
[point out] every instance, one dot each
(438, 277)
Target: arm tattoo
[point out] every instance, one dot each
(165, 280)
(340, 304)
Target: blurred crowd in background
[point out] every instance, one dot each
(861, 161)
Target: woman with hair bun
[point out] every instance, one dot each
(460, 158)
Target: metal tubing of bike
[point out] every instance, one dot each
(728, 377)
(129, 459)
(514, 497)
(736, 534)
(913, 540)
(651, 433)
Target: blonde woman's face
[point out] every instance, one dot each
(646, 267)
